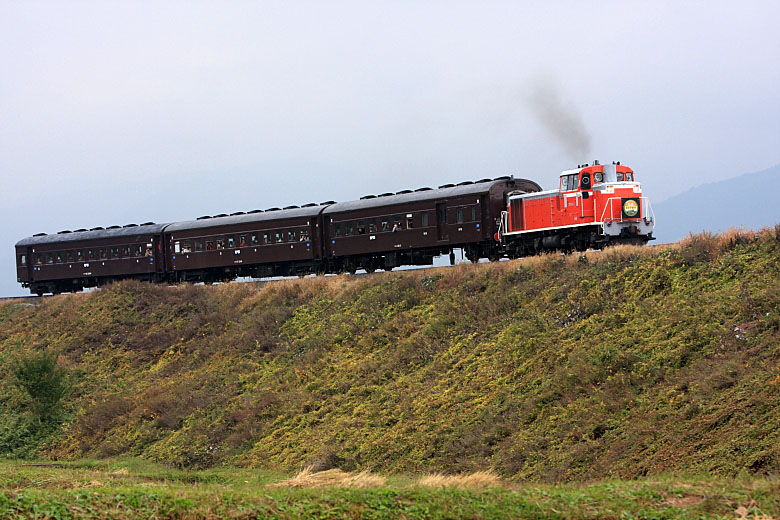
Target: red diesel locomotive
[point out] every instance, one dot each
(594, 206)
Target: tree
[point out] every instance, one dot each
(44, 381)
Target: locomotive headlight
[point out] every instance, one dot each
(598, 177)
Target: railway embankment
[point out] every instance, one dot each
(632, 361)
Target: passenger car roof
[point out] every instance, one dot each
(418, 196)
(264, 216)
(77, 236)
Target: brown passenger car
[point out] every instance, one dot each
(412, 227)
(70, 261)
(257, 244)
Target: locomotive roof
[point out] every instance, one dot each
(76, 236)
(419, 196)
(245, 219)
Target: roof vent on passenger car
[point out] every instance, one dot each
(426, 188)
(39, 235)
(114, 227)
(385, 194)
(403, 192)
(98, 228)
(254, 211)
(148, 224)
(64, 231)
(272, 209)
(465, 183)
(502, 178)
(484, 180)
(446, 186)
(309, 205)
(80, 230)
(364, 197)
(204, 217)
(291, 207)
(221, 215)
(238, 213)
(327, 202)
(130, 225)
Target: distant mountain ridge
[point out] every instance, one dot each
(747, 201)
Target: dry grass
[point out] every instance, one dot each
(476, 480)
(332, 478)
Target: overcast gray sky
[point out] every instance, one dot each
(120, 112)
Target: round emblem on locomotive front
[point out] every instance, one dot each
(631, 208)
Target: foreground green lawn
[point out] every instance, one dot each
(125, 489)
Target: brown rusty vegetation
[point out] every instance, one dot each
(626, 362)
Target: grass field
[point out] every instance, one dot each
(130, 488)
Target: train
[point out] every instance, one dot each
(594, 206)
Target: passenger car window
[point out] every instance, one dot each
(385, 224)
(58, 257)
(473, 213)
(185, 246)
(266, 238)
(291, 236)
(424, 219)
(23, 259)
(241, 240)
(198, 244)
(459, 215)
(103, 254)
(91, 254)
(372, 225)
(209, 245)
(70, 256)
(220, 242)
(231, 241)
(348, 228)
(303, 235)
(279, 237)
(49, 258)
(337, 229)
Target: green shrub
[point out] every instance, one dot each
(45, 383)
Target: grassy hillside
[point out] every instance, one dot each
(625, 363)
